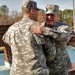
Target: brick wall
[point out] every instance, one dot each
(3, 29)
(7, 50)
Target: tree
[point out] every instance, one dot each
(61, 16)
(14, 16)
(4, 10)
(66, 16)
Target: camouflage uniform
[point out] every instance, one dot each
(49, 49)
(60, 33)
(27, 55)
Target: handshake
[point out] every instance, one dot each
(37, 29)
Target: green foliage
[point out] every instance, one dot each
(66, 16)
(4, 10)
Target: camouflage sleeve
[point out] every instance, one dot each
(39, 38)
(63, 33)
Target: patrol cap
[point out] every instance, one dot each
(30, 4)
(52, 9)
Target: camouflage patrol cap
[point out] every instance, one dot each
(52, 9)
(30, 4)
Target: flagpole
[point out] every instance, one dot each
(74, 15)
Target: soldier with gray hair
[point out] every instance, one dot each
(60, 34)
(27, 54)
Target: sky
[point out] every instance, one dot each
(16, 4)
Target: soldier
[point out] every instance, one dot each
(60, 33)
(27, 55)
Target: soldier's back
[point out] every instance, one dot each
(27, 55)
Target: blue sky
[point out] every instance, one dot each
(16, 4)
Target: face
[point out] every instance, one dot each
(51, 19)
(34, 14)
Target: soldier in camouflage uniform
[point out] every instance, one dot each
(27, 55)
(60, 33)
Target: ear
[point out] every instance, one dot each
(32, 11)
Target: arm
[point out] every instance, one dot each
(62, 34)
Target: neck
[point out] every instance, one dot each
(48, 25)
(26, 15)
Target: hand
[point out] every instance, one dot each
(38, 29)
